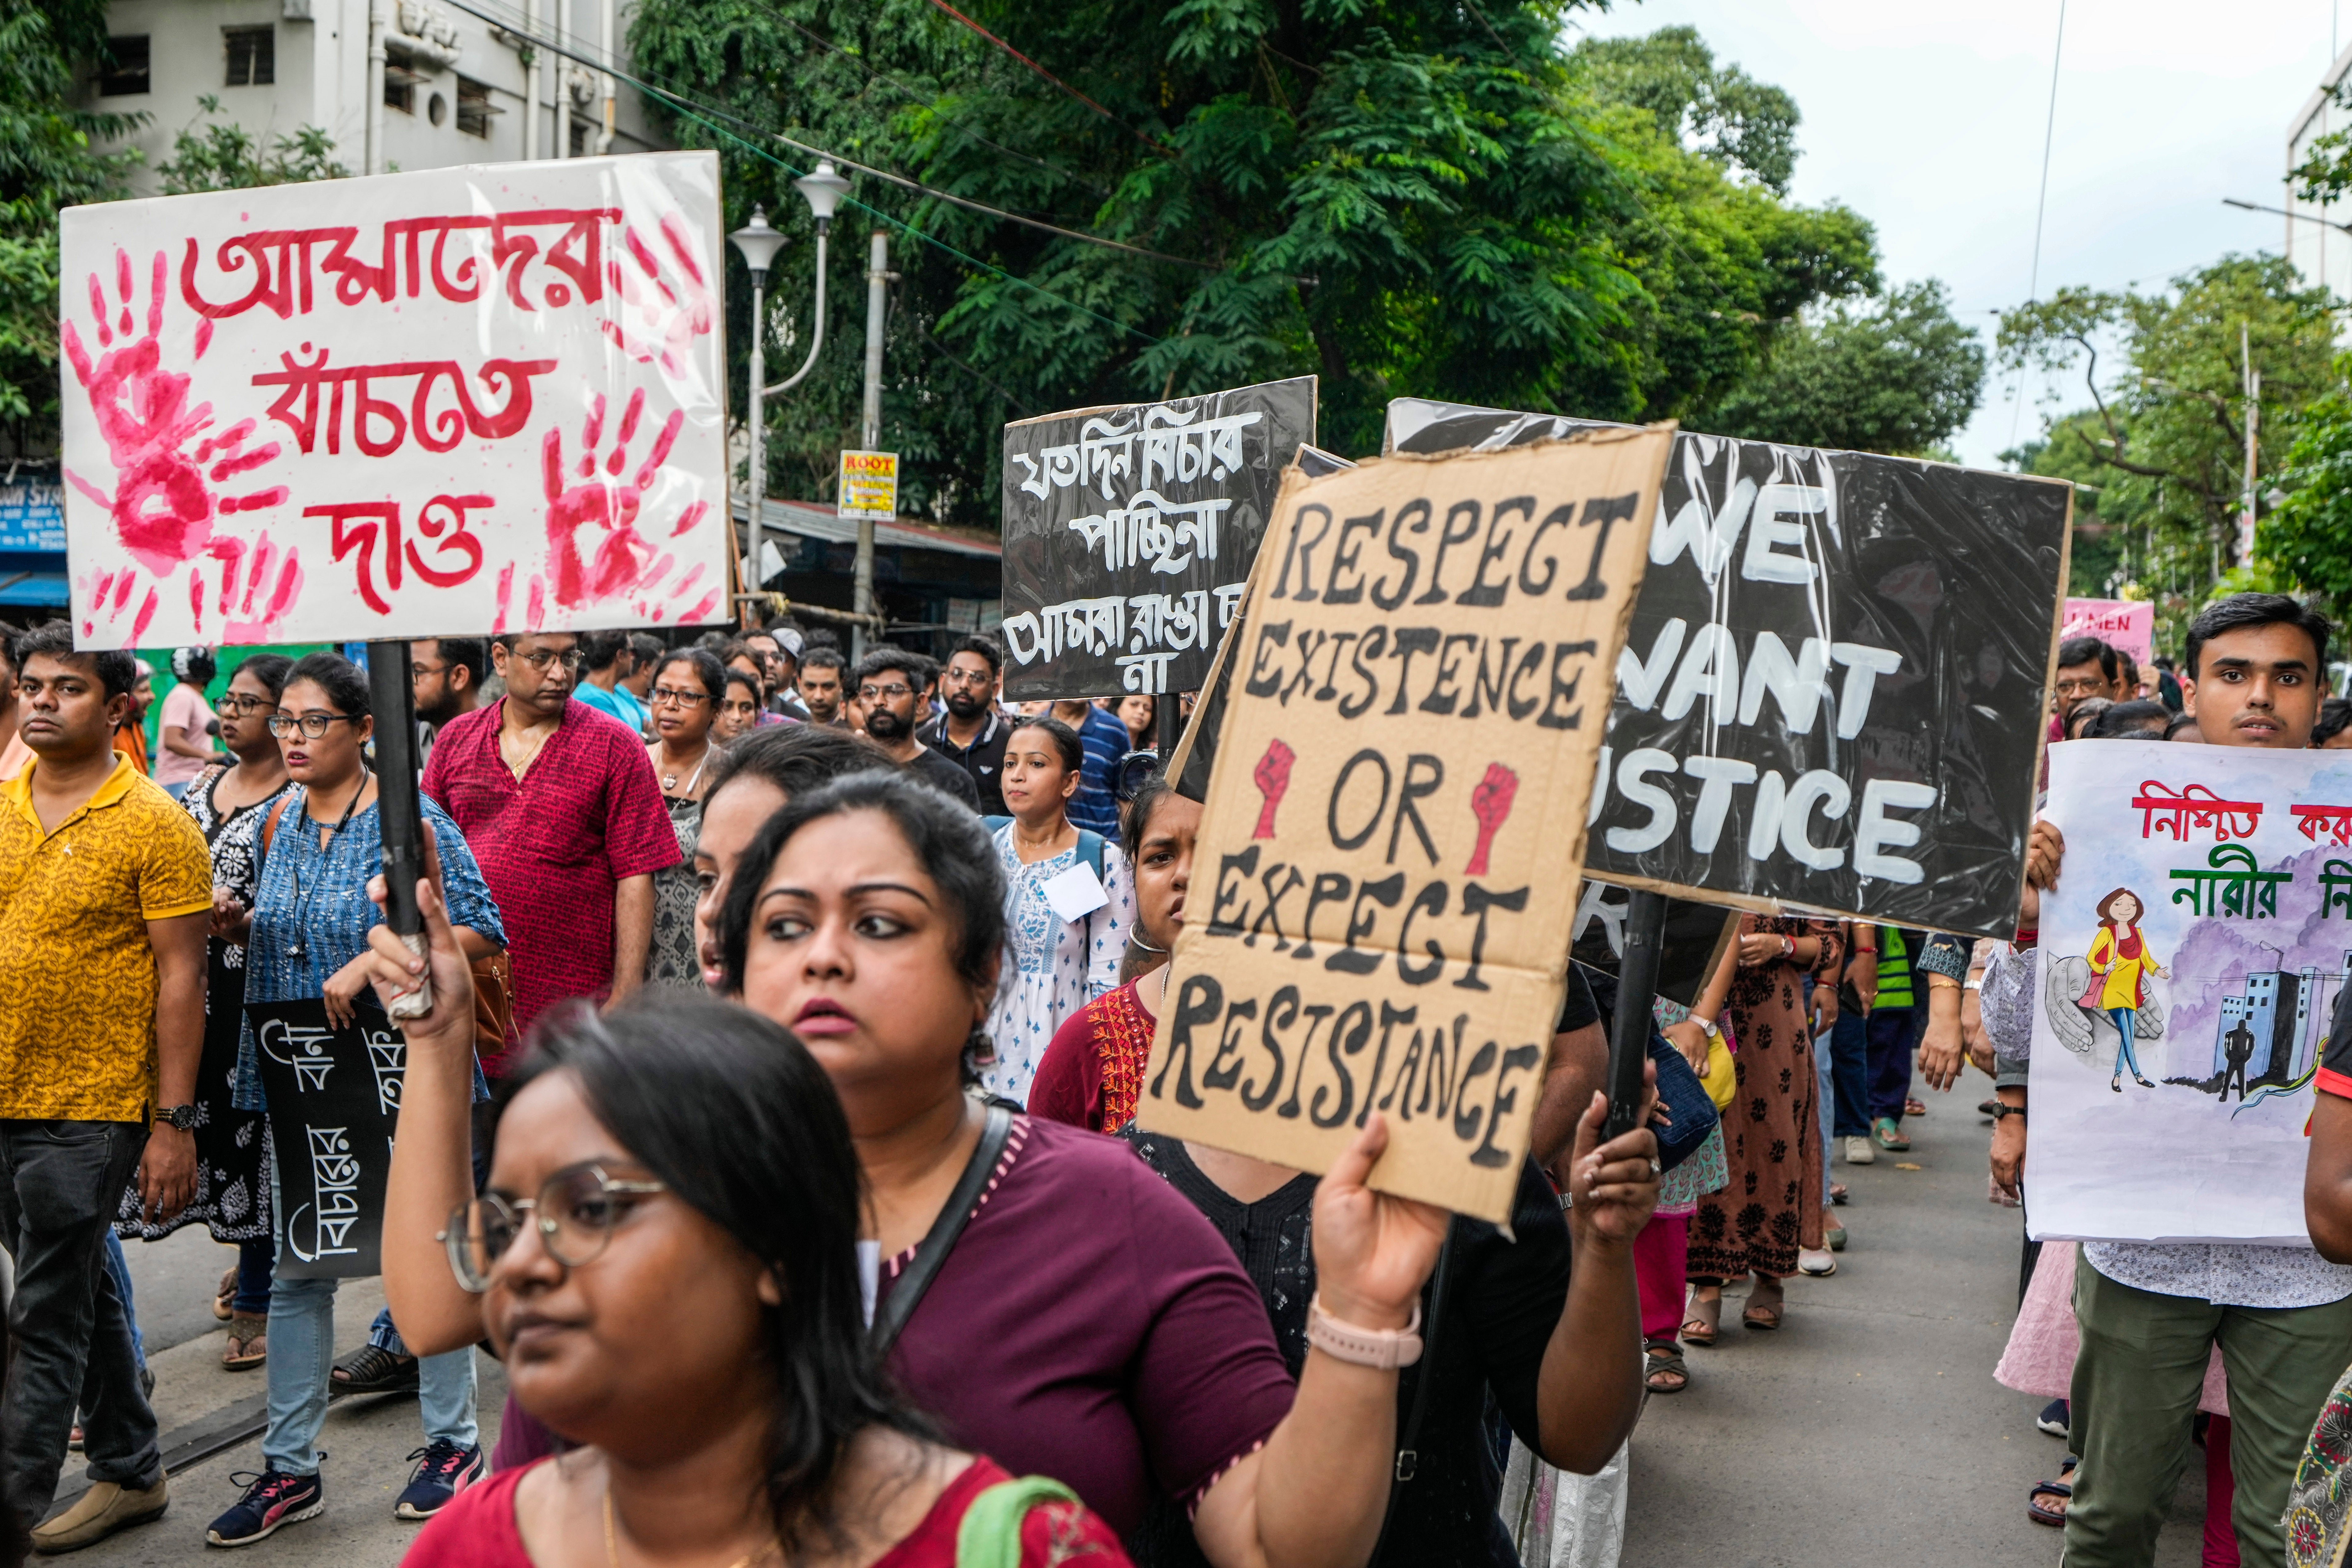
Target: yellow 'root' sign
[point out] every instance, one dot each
(1390, 853)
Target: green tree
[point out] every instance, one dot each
(47, 160)
(1409, 197)
(231, 158)
(1896, 375)
(2310, 534)
(1732, 117)
(2166, 428)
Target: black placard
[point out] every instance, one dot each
(1833, 692)
(334, 1100)
(1692, 939)
(1130, 531)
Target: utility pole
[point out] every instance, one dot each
(529, 83)
(877, 302)
(373, 162)
(2251, 380)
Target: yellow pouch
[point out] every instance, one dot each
(1720, 1080)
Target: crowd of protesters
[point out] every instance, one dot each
(772, 1125)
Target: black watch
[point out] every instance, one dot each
(184, 1117)
(2001, 1110)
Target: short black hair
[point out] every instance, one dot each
(2085, 650)
(117, 669)
(345, 684)
(796, 758)
(986, 648)
(1066, 740)
(735, 1117)
(954, 850)
(269, 669)
(2239, 611)
(471, 654)
(702, 662)
(823, 659)
(2128, 721)
(2080, 717)
(909, 662)
(645, 648)
(2334, 717)
(598, 649)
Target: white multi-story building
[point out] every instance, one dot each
(454, 87)
(2321, 251)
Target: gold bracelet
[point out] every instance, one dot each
(1942, 983)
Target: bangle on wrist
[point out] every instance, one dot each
(1383, 1350)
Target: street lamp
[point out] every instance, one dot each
(759, 243)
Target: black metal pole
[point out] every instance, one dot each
(1166, 726)
(403, 818)
(1637, 982)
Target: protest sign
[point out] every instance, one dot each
(1395, 813)
(2126, 625)
(1692, 941)
(335, 1101)
(399, 406)
(2203, 914)
(1128, 534)
(1833, 692)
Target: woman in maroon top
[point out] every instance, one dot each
(1089, 1324)
(666, 1253)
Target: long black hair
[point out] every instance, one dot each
(706, 667)
(1066, 740)
(268, 670)
(740, 1124)
(341, 679)
(947, 839)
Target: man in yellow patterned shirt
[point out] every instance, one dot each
(105, 895)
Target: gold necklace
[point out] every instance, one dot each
(612, 1545)
(519, 768)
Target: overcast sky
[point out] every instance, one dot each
(1928, 118)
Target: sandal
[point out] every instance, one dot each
(2061, 1489)
(1838, 1193)
(371, 1369)
(1763, 1316)
(1703, 1320)
(1665, 1360)
(249, 1341)
(1914, 1107)
(225, 1298)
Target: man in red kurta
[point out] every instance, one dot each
(561, 810)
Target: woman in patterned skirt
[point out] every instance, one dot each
(686, 687)
(228, 802)
(1773, 1206)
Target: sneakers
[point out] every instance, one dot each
(1816, 1261)
(370, 1369)
(271, 1499)
(2054, 1418)
(444, 1470)
(104, 1508)
(1887, 1134)
(1858, 1152)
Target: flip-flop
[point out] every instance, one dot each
(1914, 1107)
(224, 1298)
(1669, 1363)
(1702, 1331)
(2053, 1517)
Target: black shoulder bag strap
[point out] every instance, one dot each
(1408, 1457)
(907, 1293)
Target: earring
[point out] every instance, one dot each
(979, 1050)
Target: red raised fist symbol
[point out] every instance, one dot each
(1272, 777)
(583, 566)
(1490, 802)
(163, 502)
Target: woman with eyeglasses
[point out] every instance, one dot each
(687, 685)
(1079, 1320)
(228, 802)
(1069, 901)
(739, 707)
(306, 935)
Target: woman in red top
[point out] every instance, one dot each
(666, 1255)
(1092, 1072)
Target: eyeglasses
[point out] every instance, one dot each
(2080, 688)
(237, 702)
(967, 677)
(889, 693)
(664, 695)
(539, 658)
(574, 1214)
(418, 672)
(313, 725)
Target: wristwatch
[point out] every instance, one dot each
(2001, 1110)
(184, 1117)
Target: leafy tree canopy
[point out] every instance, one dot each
(1731, 116)
(1896, 375)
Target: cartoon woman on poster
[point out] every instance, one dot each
(2120, 964)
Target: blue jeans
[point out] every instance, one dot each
(256, 1260)
(2126, 1056)
(302, 1360)
(118, 1269)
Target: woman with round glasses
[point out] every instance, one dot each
(687, 685)
(306, 936)
(228, 802)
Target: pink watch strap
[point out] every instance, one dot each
(1383, 1350)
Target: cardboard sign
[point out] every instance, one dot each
(400, 406)
(334, 1102)
(2206, 906)
(868, 484)
(1833, 697)
(2126, 625)
(1128, 534)
(1388, 858)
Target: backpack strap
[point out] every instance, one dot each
(994, 825)
(1090, 849)
(268, 836)
(989, 1535)
(907, 1293)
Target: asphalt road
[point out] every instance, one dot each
(1869, 1428)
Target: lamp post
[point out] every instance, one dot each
(759, 244)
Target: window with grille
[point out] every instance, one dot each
(252, 56)
(474, 109)
(126, 66)
(399, 90)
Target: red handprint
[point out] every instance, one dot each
(163, 503)
(1272, 777)
(623, 561)
(671, 311)
(1490, 802)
